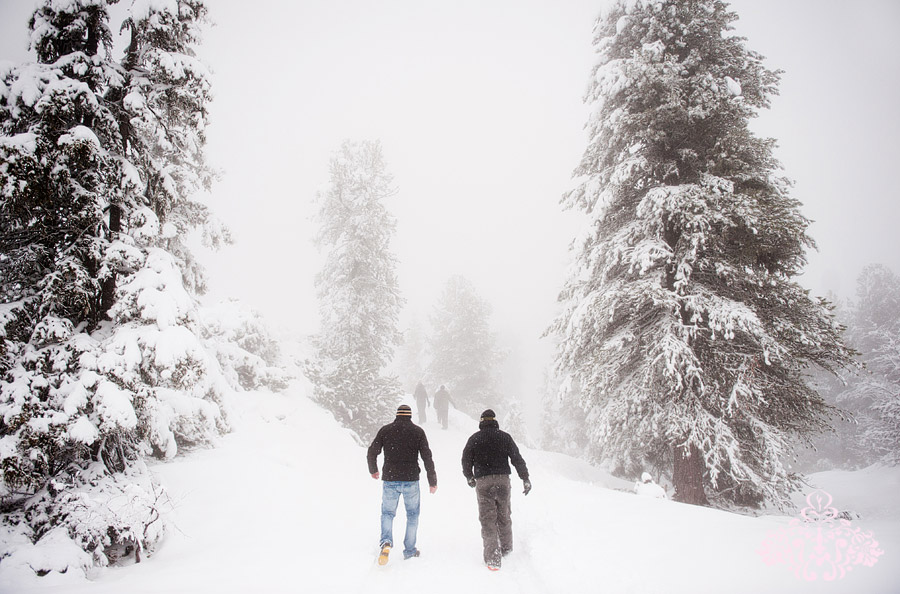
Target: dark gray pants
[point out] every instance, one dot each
(495, 513)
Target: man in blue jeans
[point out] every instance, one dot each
(403, 442)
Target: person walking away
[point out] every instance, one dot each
(442, 402)
(485, 464)
(422, 401)
(402, 442)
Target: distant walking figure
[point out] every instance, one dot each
(485, 464)
(442, 402)
(422, 401)
(403, 442)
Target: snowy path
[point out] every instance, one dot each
(285, 504)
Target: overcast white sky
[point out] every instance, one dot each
(478, 107)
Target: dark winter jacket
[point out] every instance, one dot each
(402, 442)
(421, 396)
(442, 400)
(489, 451)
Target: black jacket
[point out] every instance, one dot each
(402, 442)
(489, 451)
(442, 400)
(421, 396)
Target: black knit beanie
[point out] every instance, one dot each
(404, 411)
(488, 415)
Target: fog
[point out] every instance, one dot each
(478, 106)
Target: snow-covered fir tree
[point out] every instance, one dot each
(358, 292)
(412, 356)
(868, 398)
(841, 446)
(552, 436)
(464, 352)
(873, 394)
(683, 323)
(562, 422)
(250, 357)
(515, 424)
(101, 359)
(164, 102)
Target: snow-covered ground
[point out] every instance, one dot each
(285, 504)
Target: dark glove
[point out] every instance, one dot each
(527, 484)
(471, 482)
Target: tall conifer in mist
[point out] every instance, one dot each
(873, 395)
(359, 298)
(465, 356)
(683, 325)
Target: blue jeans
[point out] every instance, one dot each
(389, 500)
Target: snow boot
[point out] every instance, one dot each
(385, 551)
(414, 554)
(493, 566)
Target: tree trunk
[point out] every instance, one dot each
(115, 97)
(108, 287)
(688, 476)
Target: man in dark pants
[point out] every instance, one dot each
(485, 463)
(403, 442)
(422, 401)
(442, 402)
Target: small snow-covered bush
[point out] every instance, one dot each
(78, 411)
(54, 552)
(85, 518)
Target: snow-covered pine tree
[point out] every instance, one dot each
(57, 178)
(514, 423)
(552, 434)
(841, 445)
(162, 94)
(101, 358)
(250, 357)
(358, 292)
(683, 324)
(411, 361)
(562, 423)
(464, 352)
(874, 393)
(163, 99)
